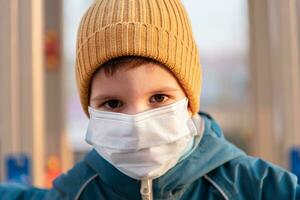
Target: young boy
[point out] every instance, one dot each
(139, 81)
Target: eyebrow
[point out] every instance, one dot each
(165, 89)
(103, 97)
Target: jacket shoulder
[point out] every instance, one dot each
(248, 177)
(71, 184)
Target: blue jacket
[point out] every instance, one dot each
(215, 170)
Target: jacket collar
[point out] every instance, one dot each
(212, 152)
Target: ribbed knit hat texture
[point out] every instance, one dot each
(157, 29)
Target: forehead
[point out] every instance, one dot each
(139, 79)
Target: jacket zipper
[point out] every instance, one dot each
(146, 189)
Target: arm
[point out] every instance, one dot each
(263, 180)
(277, 183)
(20, 192)
(247, 177)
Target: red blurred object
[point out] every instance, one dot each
(52, 50)
(53, 170)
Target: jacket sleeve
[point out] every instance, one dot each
(20, 192)
(275, 183)
(253, 178)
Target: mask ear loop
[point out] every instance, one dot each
(199, 123)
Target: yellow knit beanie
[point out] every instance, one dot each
(157, 29)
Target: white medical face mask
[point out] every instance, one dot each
(144, 145)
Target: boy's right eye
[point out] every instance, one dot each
(112, 104)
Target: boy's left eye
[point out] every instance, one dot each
(158, 98)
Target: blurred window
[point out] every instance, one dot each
(76, 120)
(222, 35)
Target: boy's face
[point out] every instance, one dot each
(134, 90)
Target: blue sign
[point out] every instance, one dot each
(295, 161)
(18, 169)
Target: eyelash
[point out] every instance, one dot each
(110, 101)
(166, 97)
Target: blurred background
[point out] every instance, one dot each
(250, 54)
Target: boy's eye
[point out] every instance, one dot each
(158, 98)
(112, 104)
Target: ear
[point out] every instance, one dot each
(190, 111)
